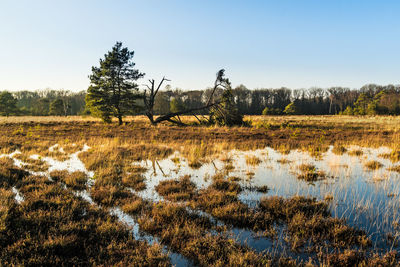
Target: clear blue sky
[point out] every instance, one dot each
(292, 43)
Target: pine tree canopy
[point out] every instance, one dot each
(113, 90)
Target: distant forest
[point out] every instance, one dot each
(369, 100)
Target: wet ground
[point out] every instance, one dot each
(366, 199)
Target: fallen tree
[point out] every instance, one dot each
(216, 104)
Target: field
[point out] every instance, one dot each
(282, 191)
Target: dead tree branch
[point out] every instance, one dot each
(173, 117)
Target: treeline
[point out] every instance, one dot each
(369, 100)
(42, 103)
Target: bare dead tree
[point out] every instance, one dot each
(173, 117)
(150, 96)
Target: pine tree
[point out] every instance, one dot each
(113, 90)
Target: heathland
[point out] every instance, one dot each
(280, 190)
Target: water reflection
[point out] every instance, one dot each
(368, 200)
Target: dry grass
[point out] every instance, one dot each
(196, 143)
(394, 156)
(260, 189)
(328, 197)
(283, 161)
(134, 181)
(59, 222)
(9, 174)
(113, 151)
(373, 165)
(395, 168)
(339, 150)
(32, 164)
(252, 160)
(358, 258)
(75, 180)
(189, 234)
(53, 227)
(181, 190)
(309, 219)
(372, 122)
(310, 173)
(356, 152)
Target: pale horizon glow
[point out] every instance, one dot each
(261, 44)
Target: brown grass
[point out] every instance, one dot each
(373, 165)
(339, 149)
(189, 235)
(309, 219)
(59, 222)
(9, 174)
(196, 143)
(395, 168)
(356, 152)
(53, 227)
(75, 180)
(181, 190)
(252, 160)
(309, 173)
(394, 156)
(134, 181)
(358, 258)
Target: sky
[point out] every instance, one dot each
(261, 44)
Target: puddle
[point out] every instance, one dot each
(56, 148)
(166, 169)
(255, 241)
(18, 197)
(176, 258)
(72, 164)
(84, 194)
(368, 200)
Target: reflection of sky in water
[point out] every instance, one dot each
(359, 196)
(72, 164)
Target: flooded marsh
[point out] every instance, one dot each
(240, 198)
